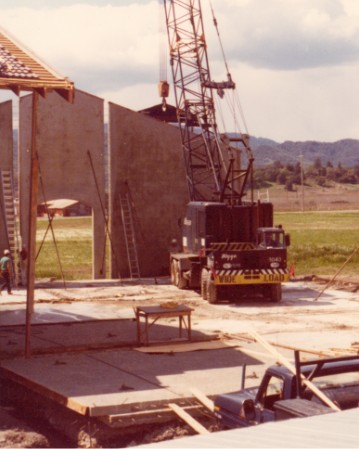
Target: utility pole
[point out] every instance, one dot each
(302, 179)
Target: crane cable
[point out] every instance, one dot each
(219, 37)
(162, 50)
(236, 102)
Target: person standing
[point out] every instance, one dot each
(5, 267)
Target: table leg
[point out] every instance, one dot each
(189, 327)
(138, 327)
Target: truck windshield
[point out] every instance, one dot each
(272, 239)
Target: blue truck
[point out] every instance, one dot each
(282, 394)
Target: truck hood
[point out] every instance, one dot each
(232, 402)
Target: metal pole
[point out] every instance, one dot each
(302, 179)
(34, 187)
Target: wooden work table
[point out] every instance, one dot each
(147, 316)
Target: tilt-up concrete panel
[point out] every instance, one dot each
(70, 148)
(6, 162)
(147, 154)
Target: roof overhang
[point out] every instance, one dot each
(59, 204)
(21, 70)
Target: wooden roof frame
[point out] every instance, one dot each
(38, 77)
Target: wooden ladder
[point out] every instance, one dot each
(10, 219)
(127, 213)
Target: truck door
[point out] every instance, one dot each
(271, 391)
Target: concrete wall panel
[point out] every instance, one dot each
(147, 154)
(66, 135)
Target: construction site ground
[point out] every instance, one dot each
(89, 383)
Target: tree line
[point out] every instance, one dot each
(290, 175)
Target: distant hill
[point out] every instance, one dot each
(344, 151)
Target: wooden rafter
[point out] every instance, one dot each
(22, 70)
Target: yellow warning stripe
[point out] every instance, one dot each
(251, 278)
(233, 246)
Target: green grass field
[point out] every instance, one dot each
(73, 238)
(321, 242)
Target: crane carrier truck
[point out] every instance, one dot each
(229, 240)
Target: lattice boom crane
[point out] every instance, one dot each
(224, 234)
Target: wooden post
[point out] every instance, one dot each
(34, 187)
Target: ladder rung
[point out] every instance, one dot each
(129, 231)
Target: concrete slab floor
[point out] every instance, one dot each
(123, 380)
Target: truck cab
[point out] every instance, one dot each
(273, 237)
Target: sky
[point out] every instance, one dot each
(295, 62)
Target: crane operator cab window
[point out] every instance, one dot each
(272, 238)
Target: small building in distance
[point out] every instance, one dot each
(63, 208)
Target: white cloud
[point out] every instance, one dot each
(291, 34)
(296, 62)
(314, 104)
(83, 41)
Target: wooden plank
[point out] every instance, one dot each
(149, 416)
(185, 347)
(257, 353)
(203, 399)
(188, 419)
(290, 366)
(321, 353)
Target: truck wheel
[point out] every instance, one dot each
(276, 293)
(212, 292)
(180, 281)
(204, 284)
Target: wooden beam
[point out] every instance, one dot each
(31, 240)
(203, 399)
(336, 274)
(188, 419)
(291, 368)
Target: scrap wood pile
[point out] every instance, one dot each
(330, 352)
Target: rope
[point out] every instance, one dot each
(104, 214)
(49, 225)
(235, 104)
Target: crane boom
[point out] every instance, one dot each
(212, 167)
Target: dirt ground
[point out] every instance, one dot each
(15, 431)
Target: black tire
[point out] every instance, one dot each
(212, 292)
(204, 284)
(276, 293)
(180, 281)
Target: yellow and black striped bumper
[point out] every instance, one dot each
(239, 277)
